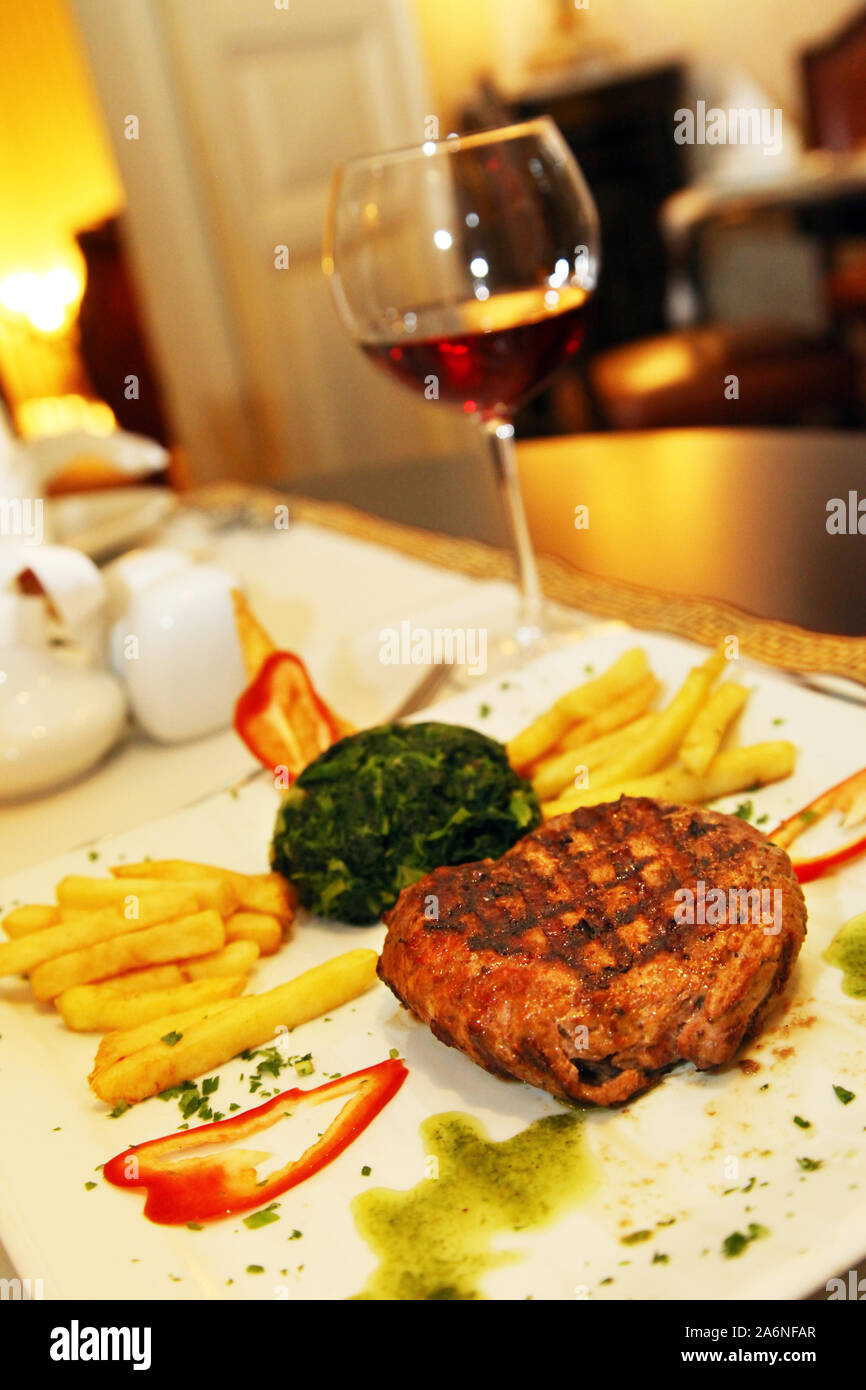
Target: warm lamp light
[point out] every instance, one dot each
(45, 299)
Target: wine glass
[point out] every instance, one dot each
(464, 267)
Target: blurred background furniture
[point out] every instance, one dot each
(717, 262)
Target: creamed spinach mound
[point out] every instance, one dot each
(383, 807)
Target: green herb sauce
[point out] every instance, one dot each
(847, 951)
(437, 1240)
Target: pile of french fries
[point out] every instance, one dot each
(156, 957)
(604, 740)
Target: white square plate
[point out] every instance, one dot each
(698, 1157)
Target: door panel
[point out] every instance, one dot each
(274, 98)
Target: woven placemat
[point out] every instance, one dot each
(703, 620)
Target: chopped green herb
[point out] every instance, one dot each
(846, 1097)
(804, 1124)
(89, 1186)
(810, 1165)
(484, 710)
(745, 810)
(260, 1218)
(736, 1242)
(194, 1226)
(255, 1269)
(171, 1038)
(635, 1237)
(659, 1259)
(366, 1171)
(120, 1109)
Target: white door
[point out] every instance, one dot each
(263, 99)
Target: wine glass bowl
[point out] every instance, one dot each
(464, 267)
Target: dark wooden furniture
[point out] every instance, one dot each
(834, 85)
(619, 126)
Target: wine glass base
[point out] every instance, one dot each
(513, 646)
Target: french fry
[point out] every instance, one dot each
(242, 1024)
(578, 704)
(268, 893)
(619, 714)
(31, 951)
(733, 771)
(21, 921)
(668, 729)
(265, 932)
(77, 891)
(554, 774)
(170, 941)
(84, 1013)
(705, 733)
(235, 959)
(126, 1041)
(149, 977)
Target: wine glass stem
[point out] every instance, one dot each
(500, 436)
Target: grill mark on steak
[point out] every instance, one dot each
(574, 928)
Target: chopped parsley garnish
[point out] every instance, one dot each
(89, 1186)
(261, 1218)
(194, 1226)
(394, 1052)
(296, 1235)
(635, 1237)
(255, 1269)
(846, 1097)
(484, 710)
(745, 810)
(804, 1124)
(660, 1259)
(810, 1165)
(366, 1171)
(779, 719)
(736, 1242)
(171, 1038)
(120, 1109)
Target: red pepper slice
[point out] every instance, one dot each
(842, 797)
(281, 719)
(204, 1189)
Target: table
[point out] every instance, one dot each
(738, 515)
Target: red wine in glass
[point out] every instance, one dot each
(464, 267)
(511, 344)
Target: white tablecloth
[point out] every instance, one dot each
(319, 593)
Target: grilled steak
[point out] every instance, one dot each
(576, 962)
